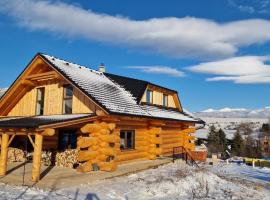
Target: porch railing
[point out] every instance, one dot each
(182, 153)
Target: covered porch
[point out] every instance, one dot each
(34, 130)
(57, 178)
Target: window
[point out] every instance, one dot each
(40, 101)
(127, 140)
(165, 100)
(67, 140)
(149, 96)
(67, 103)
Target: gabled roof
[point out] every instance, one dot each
(106, 93)
(36, 121)
(114, 94)
(135, 86)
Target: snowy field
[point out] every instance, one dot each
(229, 125)
(170, 182)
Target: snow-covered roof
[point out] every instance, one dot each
(36, 121)
(168, 114)
(108, 94)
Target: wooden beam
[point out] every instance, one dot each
(48, 132)
(28, 83)
(43, 76)
(31, 141)
(11, 139)
(66, 124)
(37, 158)
(4, 154)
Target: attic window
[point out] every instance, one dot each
(67, 101)
(149, 96)
(40, 101)
(165, 100)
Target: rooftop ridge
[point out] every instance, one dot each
(147, 82)
(74, 64)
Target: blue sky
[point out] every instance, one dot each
(214, 53)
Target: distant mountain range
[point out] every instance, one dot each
(235, 113)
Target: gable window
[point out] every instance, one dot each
(165, 100)
(149, 96)
(127, 140)
(40, 101)
(67, 102)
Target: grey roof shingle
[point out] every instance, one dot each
(109, 94)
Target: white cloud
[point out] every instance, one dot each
(244, 70)
(251, 6)
(159, 70)
(178, 37)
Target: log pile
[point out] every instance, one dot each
(97, 147)
(16, 155)
(66, 158)
(154, 141)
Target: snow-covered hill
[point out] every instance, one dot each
(235, 113)
(229, 125)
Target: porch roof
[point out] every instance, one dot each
(36, 121)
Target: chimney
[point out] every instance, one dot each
(102, 68)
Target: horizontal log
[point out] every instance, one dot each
(84, 142)
(133, 156)
(85, 167)
(107, 151)
(155, 151)
(87, 155)
(107, 166)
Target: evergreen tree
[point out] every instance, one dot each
(237, 144)
(217, 142)
(211, 140)
(222, 140)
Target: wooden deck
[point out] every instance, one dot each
(57, 177)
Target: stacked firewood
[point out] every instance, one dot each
(16, 155)
(47, 158)
(67, 158)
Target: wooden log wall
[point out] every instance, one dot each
(97, 146)
(141, 146)
(176, 137)
(100, 144)
(50, 143)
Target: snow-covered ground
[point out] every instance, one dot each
(229, 125)
(171, 181)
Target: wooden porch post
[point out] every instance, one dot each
(4, 154)
(37, 158)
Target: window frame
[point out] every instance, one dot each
(167, 102)
(69, 135)
(41, 102)
(126, 140)
(151, 96)
(67, 98)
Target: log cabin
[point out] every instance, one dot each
(109, 119)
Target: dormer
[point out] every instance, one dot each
(160, 96)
